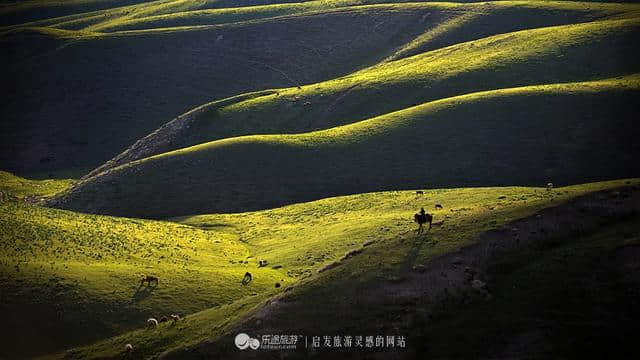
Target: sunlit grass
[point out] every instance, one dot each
(100, 260)
(89, 266)
(301, 239)
(264, 171)
(414, 46)
(463, 68)
(386, 124)
(21, 187)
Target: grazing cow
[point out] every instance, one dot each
(247, 278)
(438, 207)
(422, 218)
(419, 192)
(149, 280)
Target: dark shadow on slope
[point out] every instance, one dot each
(142, 292)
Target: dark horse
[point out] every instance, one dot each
(149, 280)
(422, 218)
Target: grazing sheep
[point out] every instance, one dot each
(438, 207)
(549, 186)
(174, 317)
(247, 278)
(152, 323)
(128, 348)
(262, 263)
(164, 319)
(149, 280)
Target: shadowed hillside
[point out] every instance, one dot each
(79, 91)
(551, 55)
(530, 135)
(85, 98)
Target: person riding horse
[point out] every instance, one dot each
(422, 218)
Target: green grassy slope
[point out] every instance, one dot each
(547, 55)
(69, 278)
(165, 19)
(20, 187)
(18, 12)
(531, 135)
(562, 277)
(91, 264)
(54, 13)
(523, 14)
(316, 100)
(378, 224)
(85, 97)
(196, 62)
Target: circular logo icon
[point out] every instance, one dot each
(242, 341)
(254, 344)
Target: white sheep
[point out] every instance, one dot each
(128, 348)
(549, 186)
(174, 317)
(152, 323)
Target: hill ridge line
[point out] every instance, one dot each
(584, 86)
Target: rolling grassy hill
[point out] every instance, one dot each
(17, 12)
(564, 277)
(79, 90)
(47, 12)
(83, 97)
(20, 187)
(529, 135)
(551, 55)
(71, 278)
(300, 131)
